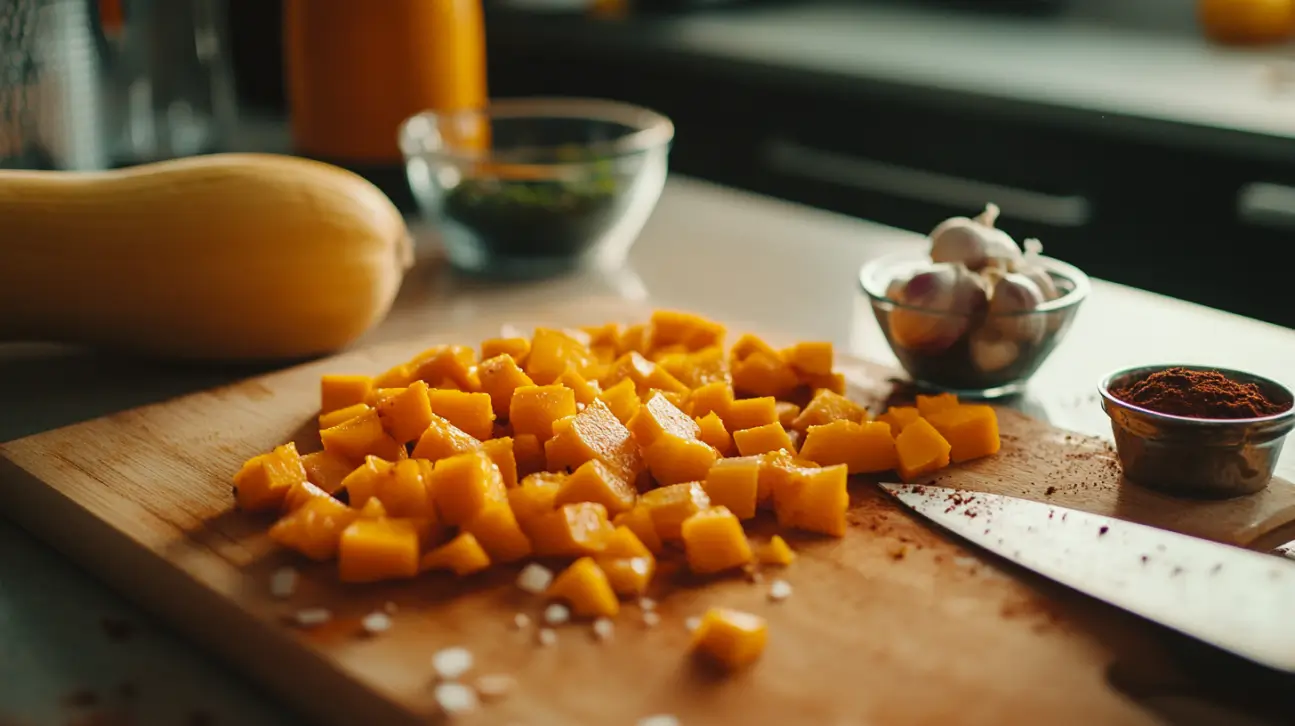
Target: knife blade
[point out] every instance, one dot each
(1235, 599)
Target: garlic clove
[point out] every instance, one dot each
(973, 242)
(1014, 295)
(990, 353)
(940, 303)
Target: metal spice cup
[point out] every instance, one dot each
(1197, 457)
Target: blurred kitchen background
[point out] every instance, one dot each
(1149, 142)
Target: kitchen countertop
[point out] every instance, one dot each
(66, 641)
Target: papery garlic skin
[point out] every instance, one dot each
(938, 305)
(974, 242)
(1012, 302)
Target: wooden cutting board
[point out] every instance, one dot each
(893, 624)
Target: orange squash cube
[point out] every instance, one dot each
(634, 338)
(810, 358)
(775, 552)
(378, 395)
(787, 413)
(921, 450)
(711, 431)
(586, 589)
(749, 413)
(471, 413)
(443, 439)
(264, 481)
(927, 405)
(659, 417)
(671, 505)
(899, 417)
(500, 376)
(457, 363)
(301, 493)
(605, 335)
(673, 460)
(864, 448)
(696, 369)
(535, 495)
(639, 521)
(971, 430)
(817, 502)
(501, 452)
(594, 481)
(363, 481)
(734, 485)
(730, 639)
(500, 535)
(691, 331)
(534, 409)
(827, 407)
(403, 491)
(373, 509)
(397, 376)
(585, 391)
(326, 469)
(834, 382)
(553, 352)
(622, 400)
(515, 348)
(339, 391)
(645, 374)
(748, 345)
(372, 550)
(462, 555)
(627, 562)
(342, 415)
(713, 541)
(360, 437)
(761, 374)
(529, 453)
(463, 485)
(763, 439)
(572, 530)
(315, 528)
(595, 434)
(407, 414)
(715, 397)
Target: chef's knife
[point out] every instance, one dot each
(1238, 600)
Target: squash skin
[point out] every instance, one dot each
(225, 257)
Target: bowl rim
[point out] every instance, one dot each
(1104, 390)
(1082, 285)
(651, 129)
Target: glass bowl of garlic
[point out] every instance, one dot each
(977, 315)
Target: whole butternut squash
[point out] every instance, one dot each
(220, 257)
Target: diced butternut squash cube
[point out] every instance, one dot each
(529, 453)
(301, 493)
(748, 345)
(397, 376)
(710, 398)
(360, 437)
(634, 338)
(775, 552)
(339, 391)
(927, 405)
(624, 543)
(780, 477)
(734, 484)
(899, 417)
(639, 521)
(378, 395)
(971, 430)
(501, 452)
(673, 460)
(812, 358)
(761, 374)
(713, 541)
(500, 535)
(748, 413)
(315, 528)
(787, 413)
(763, 439)
(342, 415)
(921, 450)
(407, 414)
(645, 374)
(595, 434)
(515, 348)
(696, 369)
(500, 376)
(457, 363)
(403, 491)
(594, 481)
(585, 391)
(711, 430)
(586, 589)
(603, 335)
(864, 448)
(462, 555)
(372, 550)
(363, 481)
(535, 495)
(471, 413)
(827, 407)
(818, 503)
(730, 639)
(443, 439)
(264, 481)
(463, 485)
(659, 417)
(373, 509)
(691, 331)
(671, 505)
(629, 576)
(326, 469)
(834, 382)
(553, 352)
(622, 399)
(534, 409)
(573, 530)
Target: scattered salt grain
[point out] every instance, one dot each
(780, 590)
(661, 719)
(557, 614)
(455, 698)
(495, 686)
(547, 637)
(692, 623)
(310, 617)
(451, 663)
(375, 623)
(521, 621)
(535, 578)
(283, 582)
(647, 603)
(603, 629)
(651, 619)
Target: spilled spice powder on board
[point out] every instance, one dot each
(1198, 394)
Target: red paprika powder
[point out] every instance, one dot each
(1198, 394)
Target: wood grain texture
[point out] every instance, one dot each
(892, 624)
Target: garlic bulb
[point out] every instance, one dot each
(990, 353)
(974, 242)
(1030, 267)
(948, 297)
(1014, 294)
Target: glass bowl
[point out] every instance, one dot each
(531, 187)
(980, 356)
